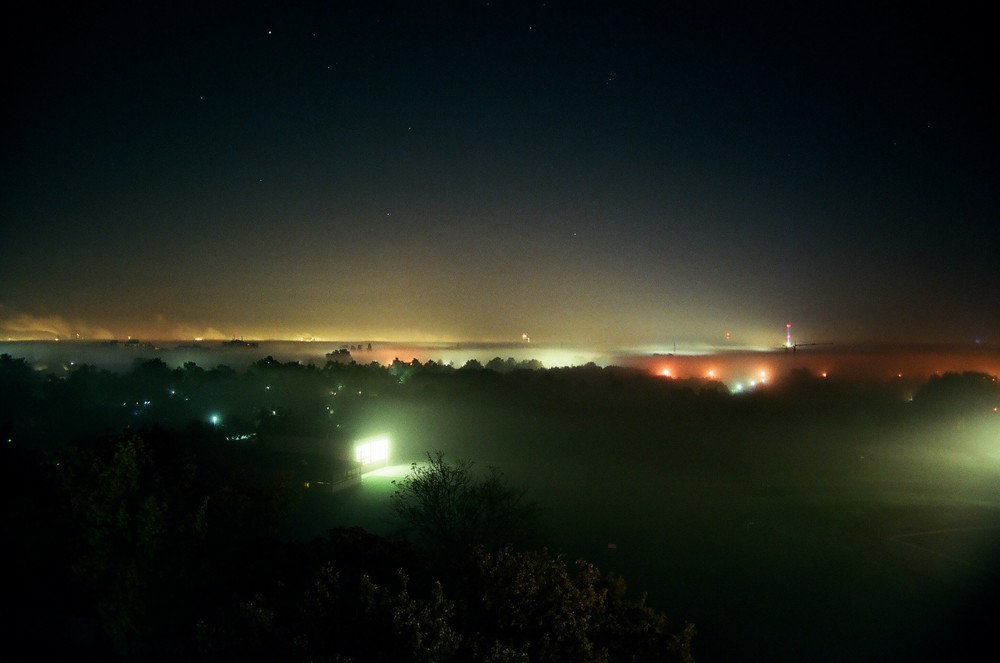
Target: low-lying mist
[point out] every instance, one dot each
(768, 519)
(812, 516)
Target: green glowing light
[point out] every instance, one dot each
(372, 450)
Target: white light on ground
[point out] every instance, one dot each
(390, 471)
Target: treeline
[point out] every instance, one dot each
(272, 398)
(270, 401)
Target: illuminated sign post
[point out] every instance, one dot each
(372, 451)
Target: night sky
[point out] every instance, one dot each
(594, 173)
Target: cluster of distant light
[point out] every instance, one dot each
(760, 380)
(739, 386)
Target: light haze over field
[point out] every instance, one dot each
(829, 504)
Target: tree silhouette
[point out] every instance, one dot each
(453, 507)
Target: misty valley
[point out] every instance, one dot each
(161, 511)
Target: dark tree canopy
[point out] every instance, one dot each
(454, 506)
(967, 392)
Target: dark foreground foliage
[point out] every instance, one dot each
(158, 545)
(133, 534)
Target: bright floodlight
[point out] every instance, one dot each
(371, 451)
